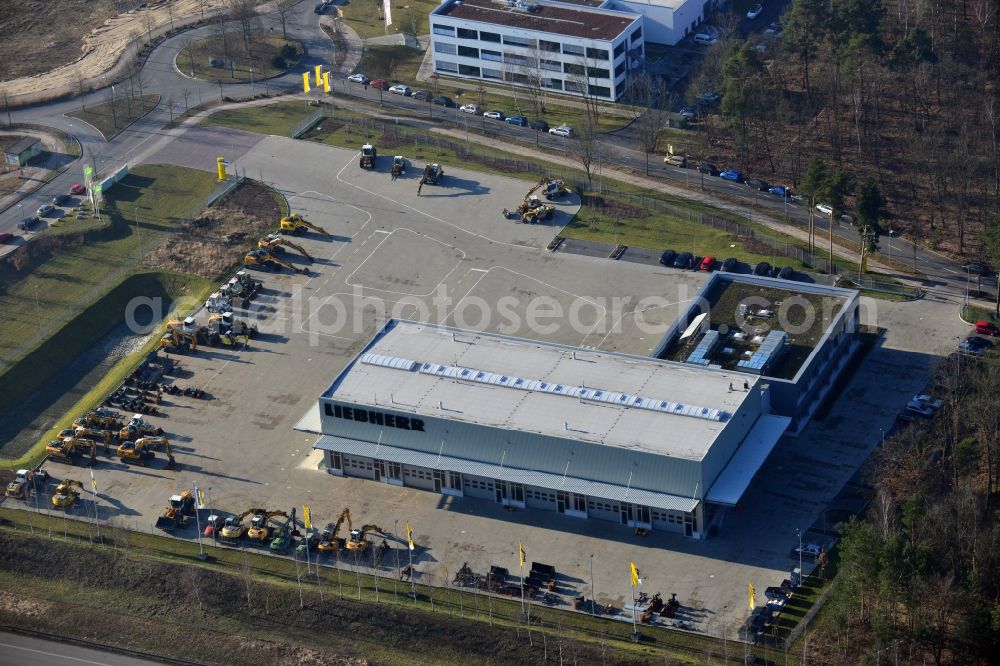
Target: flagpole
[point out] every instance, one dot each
(409, 554)
(197, 520)
(93, 487)
(635, 628)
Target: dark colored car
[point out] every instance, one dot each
(517, 120)
(976, 268)
(446, 102)
(695, 262)
(757, 184)
(6, 237)
(763, 268)
(780, 190)
(422, 94)
(709, 169)
(539, 125)
(729, 265)
(775, 270)
(320, 8)
(785, 273)
(683, 260)
(379, 84)
(667, 258)
(60, 199)
(27, 223)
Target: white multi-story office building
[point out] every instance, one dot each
(567, 48)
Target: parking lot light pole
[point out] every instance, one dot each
(799, 533)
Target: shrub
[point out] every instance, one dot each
(288, 52)
(279, 62)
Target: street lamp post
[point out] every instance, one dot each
(799, 533)
(251, 82)
(593, 597)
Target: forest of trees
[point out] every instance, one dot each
(919, 578)
(904, 93)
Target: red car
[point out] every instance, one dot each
(77, 188)
(6, 237)
(707, 264)
(986, 328)
(379, 84)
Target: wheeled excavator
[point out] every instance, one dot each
(234, 528)
(275, 244)
(260, 527)
(283, 535)
(296, 224)
(266, 260)
(70, 449)
(357, 540)
(141, 450)
(176, 514)
(328, 540)
(66, 494)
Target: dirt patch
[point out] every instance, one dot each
(612, 208)
(219, 237)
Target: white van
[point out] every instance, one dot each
(704, 38)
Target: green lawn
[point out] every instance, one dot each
(407, 17)
(111, 118)
(279, 119)
(393, 63)
(194, 58)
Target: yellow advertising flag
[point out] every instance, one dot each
(326, 82)
(521, 553)
(409, 536)
(634, 574)
(319, 76)
(670, 148)
(752, 598)
(307, 517)
(305, 82)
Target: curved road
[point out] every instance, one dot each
(945, 278)
(18, 649)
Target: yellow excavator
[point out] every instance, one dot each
(94, 435)
(66, 494)
(178, 509)
(70, 449)
(260, 527)
(328, 540)
(138, 427)
(266, 260)
(177, 340)
(555, 188)
(100, 418)
(537, 213)
(296, 224)
(275, 244)
(233, 528)
(357, 540)
(141, 450)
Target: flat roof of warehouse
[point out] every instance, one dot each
(630, 402)
(555, 18)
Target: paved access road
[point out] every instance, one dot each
(18, 649)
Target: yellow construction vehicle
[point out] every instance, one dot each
(70, 449)
(24, 482)
(275, 244)
(555, 188)
(368, 156)
(177, 512)
(432, 175)
(138, 427)
(66, 494)
(358, 540)
(260, 527)
(230, 331)
(266, 260)
(100, 436)
(141, 450)
(328, 540)
(538, 213)
(296, 224)
(233, 528)
(177, 340)
(398, 166)
(100, 418)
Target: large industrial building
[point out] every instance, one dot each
(590, 434)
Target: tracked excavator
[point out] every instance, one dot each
(296, 224)
(66, 494)
(177, 340)
(266, 260)
(70, 449)
(260, 527)
(94, 435)
(357, 540)
(234, 528)
(275, 244)
(328, 540)
(283, 536)
(177, 512)
(141, 450)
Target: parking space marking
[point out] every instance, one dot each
(348, 281)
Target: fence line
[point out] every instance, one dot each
(308, 123)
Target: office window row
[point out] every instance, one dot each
(541, 44)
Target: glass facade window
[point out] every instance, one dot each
(495, 56)
(464, 33)
(445, 47)
(468, 70)
(572, 49)
(444, 66)
(443, 30)
(597, 54)
(597, 73)
(599, 91)
(519, 41)
(548, 46)
(489, 36)
(468, 52)
(570, 68)
(620, 49)
(488, 73)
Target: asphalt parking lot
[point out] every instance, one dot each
(446, 255)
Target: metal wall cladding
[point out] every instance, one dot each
(518, 449)
(729, 440)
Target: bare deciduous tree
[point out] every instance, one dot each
(283, 9)
(244, 12)
(650, 101)
(5, 102)
(586, 147)
(191, 583)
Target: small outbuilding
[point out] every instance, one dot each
(21, 152)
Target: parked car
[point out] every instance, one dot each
(401, 89)
(28, 223)
(695, 263)
(667, 258)
(775, 270)
(755, 11)
(762, 269)
(495, 115)
(6, 237)
(977, 268)
(779, 190)
(45, 210)
(539, 125)
(774, 28)
(422, 94)
(924, 399)
(919, 409)
(709, 169)
(359, 78)
(807, 549)
(60, 200)
(474, 109)
(732, 174)
(756, 183)
(446, 102)
(729, 265)
(379, 84)
(321, 8)
(77, 188)
(683, 260)
(825, 208)
(562, 130)
(688, 113)
(707, 264)
(708, 97)
(986, 328)
(785, 273)
(704, 38)
(975, 345)
(520, 121)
